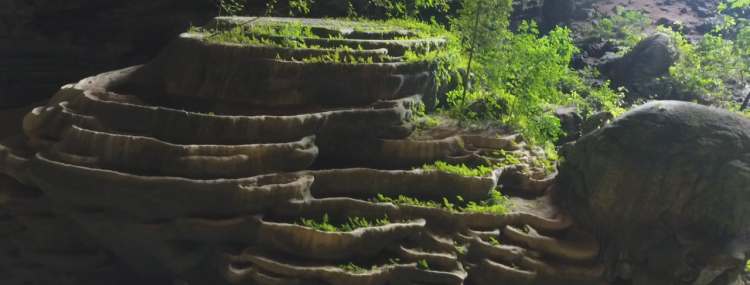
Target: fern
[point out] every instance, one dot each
(353, 224)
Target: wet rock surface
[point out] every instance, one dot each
(46, 44)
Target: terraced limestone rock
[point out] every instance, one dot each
(221, 163)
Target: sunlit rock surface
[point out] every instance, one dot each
(199, 167)
(666, 189)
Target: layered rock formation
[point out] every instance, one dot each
(207, 165)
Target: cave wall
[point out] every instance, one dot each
(45, 44)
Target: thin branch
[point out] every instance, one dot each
(471, 56)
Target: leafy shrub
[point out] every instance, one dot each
(519, 76)
(700, 69)
(527, 73)
(624, 25)
(497, 204)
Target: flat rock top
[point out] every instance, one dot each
(667, 128)
(308, 22)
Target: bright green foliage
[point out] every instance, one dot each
(302, 6)
(738, 3)
(624, 25)
(481, 25)
(701, 69)
(520, 79)
(460, 250)
(496, 204)
(530, 69)
(293, 34)
(445, 59)
(548, 160)
(494, 241)
(480, 170)
(413, 201)
(735, 108)
(422, 120)
(353, 224)
(459, 169)
(423, 265)
(519, 76)
(404, 8)
(232, 7)
(355, 269)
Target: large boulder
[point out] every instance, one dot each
(666, 189)
(638, 70)
(570, 123)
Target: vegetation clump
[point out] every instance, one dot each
(496, 204)
(351, 267)
(519, 76)
(520, 80)
(459, 169)
(353, 224)
(624, 25)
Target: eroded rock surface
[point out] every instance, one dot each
(666, 189)
(640, 68)
(192, 168)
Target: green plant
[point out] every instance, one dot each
(422, 120)
(521, 79)
(494, 241)
(460, 250)
(481, 25)
(231, 7)
(496, 204)
(353, 268)
(412, 201)
(353, 224)
(459, 169)
(737, 108)
(405, 9)
(700, 69)
(625, 25)
(423, 265)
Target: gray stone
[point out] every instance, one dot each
(570, 123)
(650, 59)
(666, 190)
(558, 12)
(708, 25)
